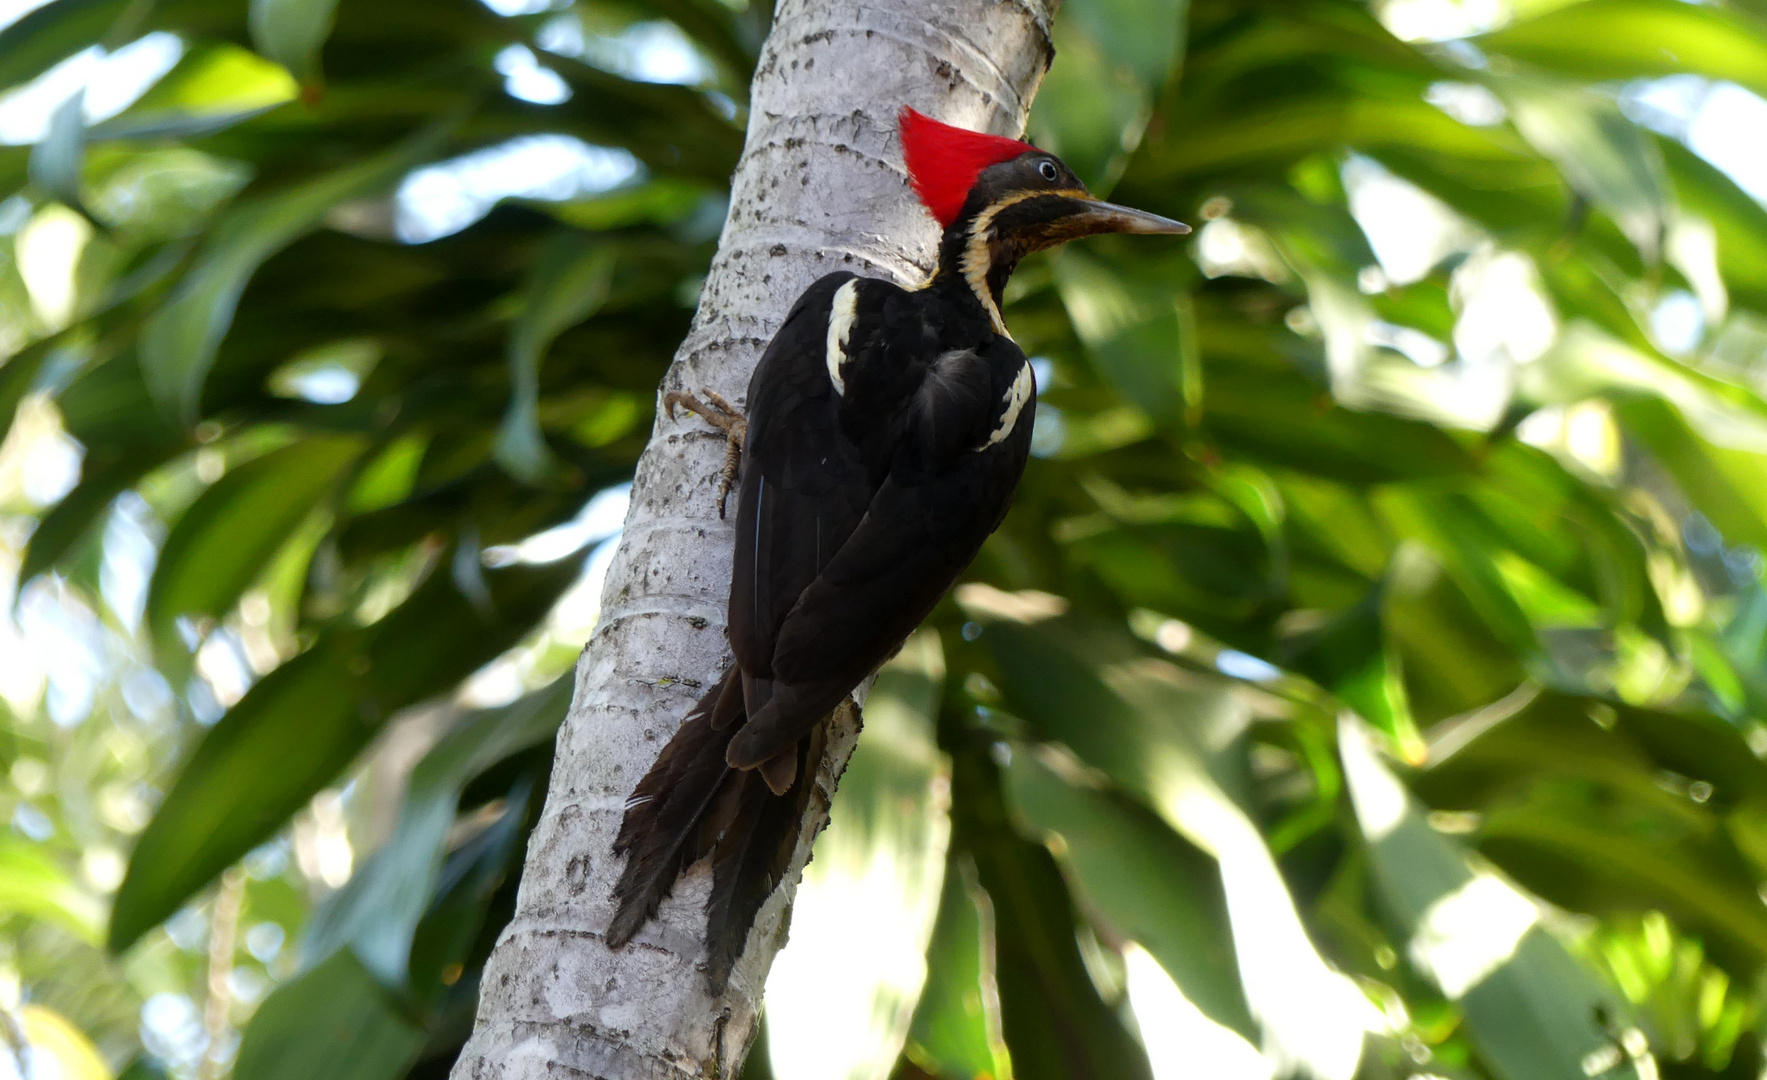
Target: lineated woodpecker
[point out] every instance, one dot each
(886, 431)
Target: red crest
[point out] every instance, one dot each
(944, 161)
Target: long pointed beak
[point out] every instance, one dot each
(1103, 217)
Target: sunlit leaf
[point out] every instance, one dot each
(1631, 39)
(1150, 884)
(1169, 739)
(56, 162)
(1054, 1021)
(1602, 156)
(569, 283)
(292, 732)
(49, 1032)
(377, 911)
(1534, 1013)
(220, 545)
(32, 884)
(1131, 324)
(178, 343)
(956, 1025)
(291, 32)
(837, 1007)
(333, 1021)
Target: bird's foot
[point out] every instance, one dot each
(726, 418)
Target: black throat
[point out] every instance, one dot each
(973, 270)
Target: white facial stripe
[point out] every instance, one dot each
(1023, 385)
(840, 326)
(976, 259)
(976, 264)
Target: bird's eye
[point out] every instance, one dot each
(1046, 169)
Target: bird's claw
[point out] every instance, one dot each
(726, 418)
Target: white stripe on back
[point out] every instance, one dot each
(840, 326)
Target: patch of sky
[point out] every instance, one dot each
(112, 81)
(1410, 230)
(146, 694)
(69, 642)
(574, 617)
(327, 385)
(1417, 346)
(14, 212)
(1238, 665)
(1719, 121)
(443, 198)
(266, 861)
(525, 78)
(600, 519)
(654, 51)
(1469, 103)
(12, 11)
(130, 549)
(171, 1029)
(1441, 20)
(265, 940)
(32, 823)
(1678, 322)
(511, 8)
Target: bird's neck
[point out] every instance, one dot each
(974, 265)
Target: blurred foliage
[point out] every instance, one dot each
(1372, 671)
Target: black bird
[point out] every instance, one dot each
(886, 431)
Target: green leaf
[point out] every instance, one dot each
(1260, 409)
(956, 1025)
(1729, 486)
(376, 913)
(31, 884)
(292, 732)
(452, 930)
(63, 530)
(1532, 1010)
(1129, 320)
(1350, 657)
(179, 341)
(1599, 40)
(1580, 813)
(20, 373)
(1056, 1025)
(1601, 155)
(57, 161)
(1270, 135)
(333, 1021)
(1088, 111)
(214, 86)
(567, 286)
(1148, 883)
(291, 32)
(51, 33)
(658, 201)
(1175, 742)
(223, 541)
(1737, 220)
(885, 848)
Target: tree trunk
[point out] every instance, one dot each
(820, 187)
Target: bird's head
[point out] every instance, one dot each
(999, 199)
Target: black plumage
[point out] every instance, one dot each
(886, 431)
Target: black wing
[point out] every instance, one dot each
(961, 441)
(803, 488)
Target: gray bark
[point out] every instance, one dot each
(820, 187)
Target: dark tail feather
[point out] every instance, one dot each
(753, 854)
(664, 830)
(691, 804)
